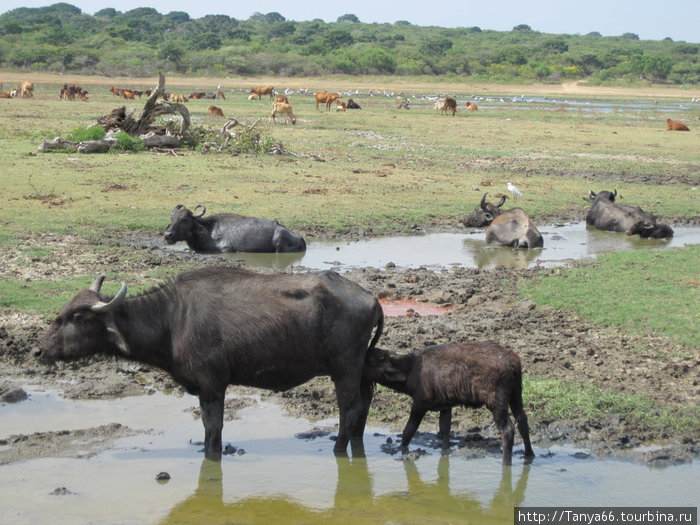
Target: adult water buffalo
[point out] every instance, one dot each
(606, 214)
(229, 232)
(214, 327)
(484, 213)
(515, 229)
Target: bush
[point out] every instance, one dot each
(84, 134)
(128, 143)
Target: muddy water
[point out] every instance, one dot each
(562, 244)
(283, 478)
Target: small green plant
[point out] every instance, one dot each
(84, 134)
(128, 143)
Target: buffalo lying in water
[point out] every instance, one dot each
(515, 229)
(228, 232)
(214, 327)
(606, 214)
(484, 213)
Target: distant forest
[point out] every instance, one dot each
(141, 42)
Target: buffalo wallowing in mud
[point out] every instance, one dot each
(229, 232)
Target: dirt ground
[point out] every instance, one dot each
(551, 344)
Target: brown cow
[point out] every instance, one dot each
(450, 105)
(470, 106)
(341, 105)
(263, 90)
(116, 91)
(198, 95)
(220, 94)
(127, 93)
(284, 109)
(281, 98)
(215, 111)
(25, 89)
(675, 126)
(176, 97)
(327, 98)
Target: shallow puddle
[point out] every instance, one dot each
(562, 244)
(284, 479)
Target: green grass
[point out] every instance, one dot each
(642, 291)
(552, 399)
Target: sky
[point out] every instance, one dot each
(649, 19)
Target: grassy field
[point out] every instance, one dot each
(378, 168)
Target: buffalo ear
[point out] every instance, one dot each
(393, 374)
(115, 337)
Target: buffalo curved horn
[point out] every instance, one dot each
(101, 307)
(614, 193)
(204, 210)
(483, 201)
(97, 283)
(503, 199)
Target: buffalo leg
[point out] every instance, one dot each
(411, 427)
(212, 406)
(445, 427)
(366, 393)
(516, 407)
(505, 425)
(350, 406)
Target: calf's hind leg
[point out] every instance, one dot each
(505, 425)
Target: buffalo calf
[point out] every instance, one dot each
(439, 377)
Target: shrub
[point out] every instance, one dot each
(84, 134)
(128, 143)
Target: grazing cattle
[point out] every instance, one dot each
(450, 105)
(263, 90)
(220, 94)
(605, 214)
(283, 109)
(127, 93)
(675, 126)
(215, 111)
(470, 106)
(69, 92)
(327, 98)
(214, 327)
(25, 89)
(484, 213)
(440, 377)
(176, 97)
(402, 103)
(341, 105)
(281, 98)
(228, 232)
(353, 105)
(199, 95)
(515, 229)
(116, 91)
(439, 105)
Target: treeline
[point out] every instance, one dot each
(141, 42)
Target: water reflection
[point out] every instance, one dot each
(489, 256)
(355, 500)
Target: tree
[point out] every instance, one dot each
(522, 27)
(630, 36)
(171, 51)
(348, 18)
(436, 46)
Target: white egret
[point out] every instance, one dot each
(514, 191)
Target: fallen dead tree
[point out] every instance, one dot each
(142, 127)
